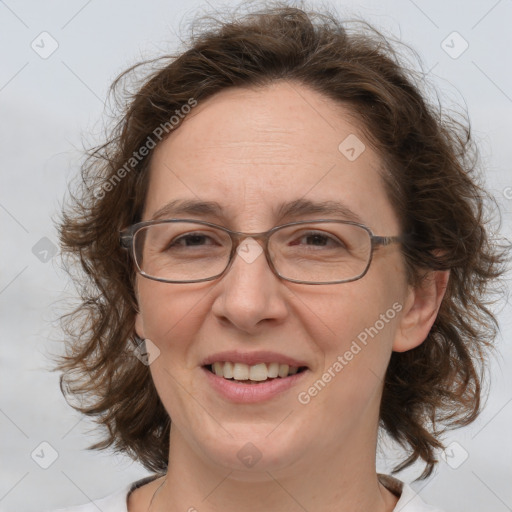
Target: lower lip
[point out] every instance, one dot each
(251, 393)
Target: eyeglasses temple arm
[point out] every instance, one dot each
(387, 240)
(126, 239)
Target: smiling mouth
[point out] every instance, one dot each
(254, 374)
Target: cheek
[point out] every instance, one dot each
(354, 331)
(355, 358)
(171, 318)
(171, 315)
(356, 306)
(359, 328)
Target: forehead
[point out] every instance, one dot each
(254, 150)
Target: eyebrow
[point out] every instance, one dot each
(293, 209)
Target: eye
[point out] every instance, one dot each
(318, 239)
(192, 239)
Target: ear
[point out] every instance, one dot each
(420, 310)
(139, 326)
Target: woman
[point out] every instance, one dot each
(287, 249)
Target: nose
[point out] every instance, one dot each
(249, 294)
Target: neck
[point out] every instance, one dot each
(343, 480)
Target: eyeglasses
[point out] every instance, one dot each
(306, 251)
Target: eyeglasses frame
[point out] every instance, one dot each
(127, 237)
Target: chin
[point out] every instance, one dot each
(250, 455)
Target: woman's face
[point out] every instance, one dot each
(252, 151)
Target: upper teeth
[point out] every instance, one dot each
(257, 372)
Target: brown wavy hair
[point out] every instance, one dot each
(432, 180)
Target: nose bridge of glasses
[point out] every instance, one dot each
(250, 246)
(246, 240)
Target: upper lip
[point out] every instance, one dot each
(252, 358)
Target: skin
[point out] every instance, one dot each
(250, 149)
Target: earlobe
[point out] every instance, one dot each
(139, 326)
(420, 310)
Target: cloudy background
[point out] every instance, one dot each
(57, 60)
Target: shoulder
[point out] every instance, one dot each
(409, 500)
(116, 502)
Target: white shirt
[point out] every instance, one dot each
(409, 501)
